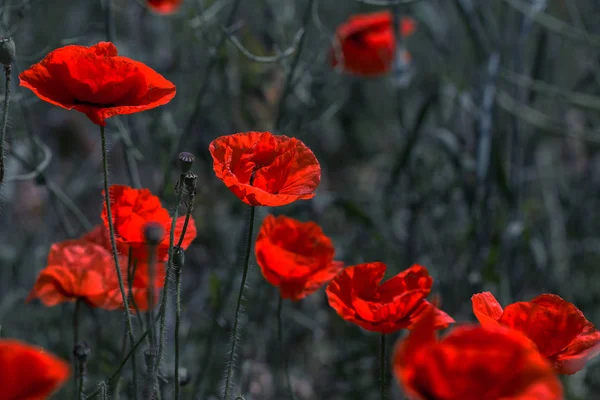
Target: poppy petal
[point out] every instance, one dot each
(486, 308)
(582, 349)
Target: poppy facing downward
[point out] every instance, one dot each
(28, 372)
(365, 45)
(295, 256)
(164, 6)
(97, 82)
(266, 170)
(559, 330)
(358, 296)
(472, 363)
(132, 209)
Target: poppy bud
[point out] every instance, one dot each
(154, 233)
(81, 351)
(7, 51)
(185, 161)
(178, 258)
(189, 181)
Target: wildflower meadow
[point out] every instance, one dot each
(299, 200)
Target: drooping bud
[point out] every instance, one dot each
(185, 161)
(7, 51)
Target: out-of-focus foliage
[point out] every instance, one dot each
(478, 157)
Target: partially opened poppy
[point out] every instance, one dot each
(472, 363)
(358, 296)
(266, 170)
(76, 269)
(164, 6)
(97, 82)
(295, 256)
(132, 209)
(560, 331)
(28, 372)
(365, 45)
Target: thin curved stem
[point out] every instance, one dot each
(286, 365)
(382, 366)
(163, 306)
(7, 73)
(178, 295)
(113, 244)
(235, 334)
(76, 308)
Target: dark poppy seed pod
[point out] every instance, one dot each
(189, 181)
(154, 233)
(81, 351)
(7, 51)
(185, 161)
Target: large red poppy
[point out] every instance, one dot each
(365, 45)
(164, 6)
(266, 170)
(295, 256)
(473, 363)
(97, 82)
(560, 331)
(358, 296)
(132, 209)
(29, 372)
(76, 269)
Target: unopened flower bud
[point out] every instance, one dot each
(7, 51)
(154, 233)
(185, 160)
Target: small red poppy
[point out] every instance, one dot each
(132, 209)
(164, 6)
(295, 256)
(365, 45)
(76, 269)
(560, 331)
(359, 297)
(29, 372)
(472, 363)
(97, 82)
(266, 170)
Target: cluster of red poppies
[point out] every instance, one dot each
(512, 354)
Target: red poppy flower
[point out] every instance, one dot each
(295, 256)
(132, 209)
(473, 363)
(97, 82)
(164, 6)
(266, 170)
(76, 269)
(560, 331)
(365, 45)
(28, 372)
(359, 297)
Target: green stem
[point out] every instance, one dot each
(177, 321)
(7, 73)
(76, 308)
(286, 366)
(235, 335)
(382, 366)
(163, 306)
(113, 243)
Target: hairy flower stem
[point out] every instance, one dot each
(178, 295)
(236, 321)
(113, 244)
(7, 73)
(163, 305)
(382, 366)
(286, 366)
